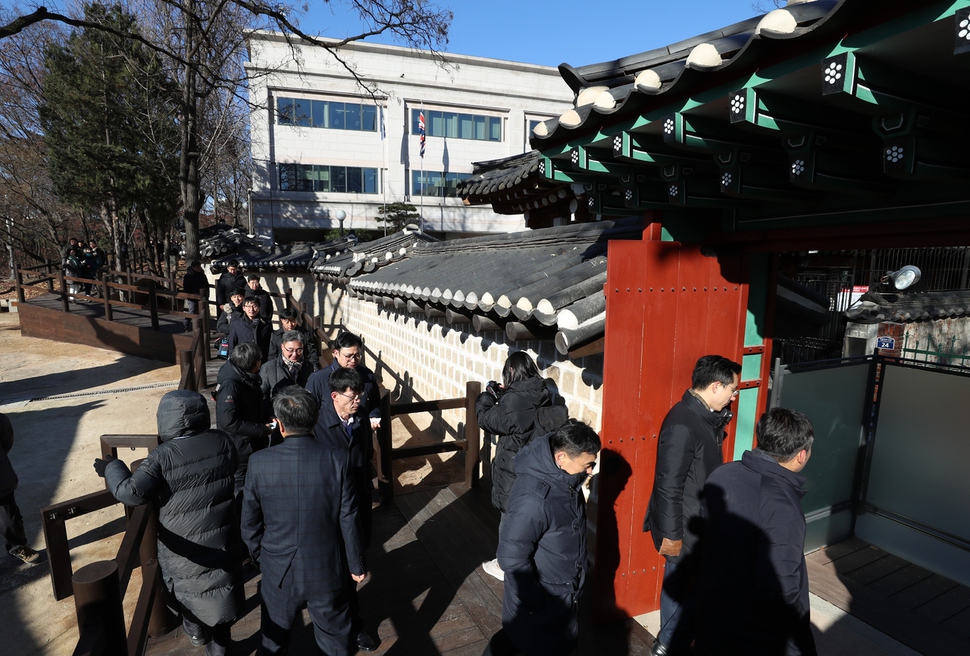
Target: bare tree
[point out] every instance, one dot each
(204, 42)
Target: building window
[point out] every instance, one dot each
(438, 185)
(454, 125)
(330, 179)
(333, 115)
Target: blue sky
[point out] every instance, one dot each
(546, 32)
(572, 31)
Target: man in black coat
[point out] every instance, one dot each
(300, 524)
(194, 282)
(753, 596)
(11, 521)
(542, 544)
(340, 426)
(239, 407)
(688, 451)
(348, 352)
(230, 279)
(250, 328)
(254, 290)
(191, 476)
(290, 320)
(287, 367)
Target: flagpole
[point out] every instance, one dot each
(423, 137)
(383, 130)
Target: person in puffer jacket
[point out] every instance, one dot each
(515, 411)
(542, 544)
(190, 475)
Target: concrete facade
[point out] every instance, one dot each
(401, 80)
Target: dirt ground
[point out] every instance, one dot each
(60, 399)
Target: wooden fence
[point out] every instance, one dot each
(471, 444)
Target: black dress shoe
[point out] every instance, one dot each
(659, 649)
(365, 642)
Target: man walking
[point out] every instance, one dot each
(542, 544)
(287, 367)
(230, 279)
(290, 320)
(689, 450)
(250, 328)
(341, 427)
(753, 596)
(300, 524)
(348, 351)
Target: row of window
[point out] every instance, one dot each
(326, 114)
(332, 179)
(455, 125)
(358, 180)
(435, 184)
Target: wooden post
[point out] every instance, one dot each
(65, 304)
(187, 369)
(204, 326)
(161, 620)
(473, 436)
(385, 464)
(97, 600)
(153, 305)
(19, 282)
(50, 275)
(107, 296)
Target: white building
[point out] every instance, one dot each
(319, 149)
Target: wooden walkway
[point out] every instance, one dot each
(925, 611)
(427, 594)
(127, 316)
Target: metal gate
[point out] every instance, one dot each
(889, 463)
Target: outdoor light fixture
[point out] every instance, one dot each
(340, 215)
(904, 278)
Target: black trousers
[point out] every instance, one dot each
(12, 523)
(329, 612)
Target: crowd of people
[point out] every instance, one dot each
(283, 483)
(732, 535)
(79, 260)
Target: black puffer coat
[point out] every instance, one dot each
(191, 476)
(524, 410)
(542, 550)
(239, 412)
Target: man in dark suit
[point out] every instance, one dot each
(341, 427)
(348, 353)
(300, 523)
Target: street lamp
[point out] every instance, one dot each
(340, 215)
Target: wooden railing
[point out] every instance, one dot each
(471, 444)
(100, 587)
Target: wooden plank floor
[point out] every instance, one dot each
(922, 610)
(427, 593)
(128, 316)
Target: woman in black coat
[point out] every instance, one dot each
(191, 476)
(516, 411)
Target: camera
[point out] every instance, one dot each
(494, 389)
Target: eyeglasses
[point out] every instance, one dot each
(352, 397)
(298, 349)
(350, 356)
(734, 390)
